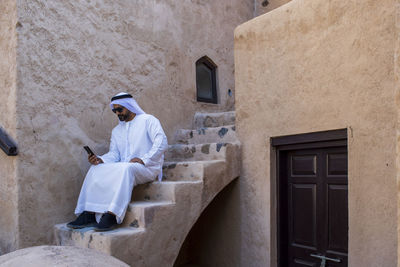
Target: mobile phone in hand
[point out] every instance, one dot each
(88, 150)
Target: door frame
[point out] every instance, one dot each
(280, 144)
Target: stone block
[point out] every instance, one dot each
(195, 152)
(140, 213)
(154, 191)
(213, 119)
(222, 134)
(183, 171)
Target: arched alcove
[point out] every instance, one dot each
(214, 239)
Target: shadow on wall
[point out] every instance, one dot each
(214, 240)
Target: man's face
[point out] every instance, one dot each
(122, 113)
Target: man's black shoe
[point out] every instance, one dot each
(85, 219)
(107, 223)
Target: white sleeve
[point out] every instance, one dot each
(113, 153)
(160, 144)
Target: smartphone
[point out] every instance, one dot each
(88, 150)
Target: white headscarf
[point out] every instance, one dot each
(128, 103)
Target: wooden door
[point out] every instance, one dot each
(313, 207)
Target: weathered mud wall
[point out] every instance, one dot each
(8, 183)
(74, 55)
(311, 66)
(264, 6)
(397, 88)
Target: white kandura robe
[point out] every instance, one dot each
(108, 186)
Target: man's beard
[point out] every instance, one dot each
(122, 117)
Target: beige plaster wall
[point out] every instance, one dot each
(397, 79)
(8, 185)
(311, 66)
(74, 55)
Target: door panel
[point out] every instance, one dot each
(303, 165)
(337, 218)
(313, 206)
(303, 215)
(337, 164)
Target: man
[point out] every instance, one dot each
(136, 156)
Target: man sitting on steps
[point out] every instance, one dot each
(136, 156)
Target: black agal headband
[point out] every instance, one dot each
(121, 97)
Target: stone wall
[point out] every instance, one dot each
(320, 65)
(8, 183)
(74, 55)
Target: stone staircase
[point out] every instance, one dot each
(201, 163)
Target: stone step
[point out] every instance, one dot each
(196, 152)
(154, 191)
(174, 173)
(183, 171)
(221, 134)
(144, 230)
(158, 191)
(187, 170)
(162, 213)
(213, 119)
(140, 213)
(88, 238)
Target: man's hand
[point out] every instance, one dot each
(93, 159)
(137, 160)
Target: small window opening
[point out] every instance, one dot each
(206, 80)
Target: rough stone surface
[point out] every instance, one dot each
(321, 65)
(8, 121)
(154, 191)
(202, 120)
(189, 171)
(58, 256)
(206, 135)
(193, 152)
(71, 56)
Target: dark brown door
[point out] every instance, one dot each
(313, 209)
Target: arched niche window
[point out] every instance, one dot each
(206, 80)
